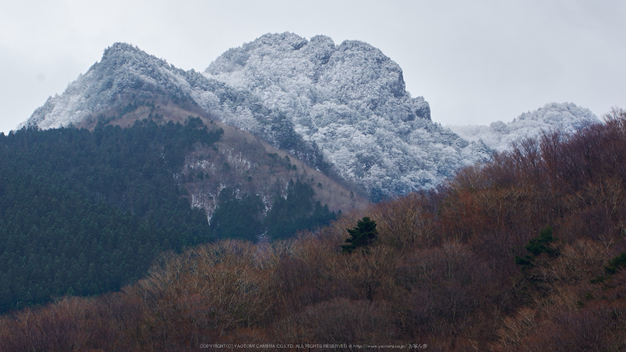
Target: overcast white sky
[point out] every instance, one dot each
(474, 61)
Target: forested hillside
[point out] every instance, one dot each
(84, 212)
(524, 253)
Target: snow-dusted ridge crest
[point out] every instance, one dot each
(336, 107)
(565, 117)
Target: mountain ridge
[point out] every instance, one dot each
(127, 77)
(365, 155)
(341, 109)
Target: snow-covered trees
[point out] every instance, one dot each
(565, 117)
(350, 101)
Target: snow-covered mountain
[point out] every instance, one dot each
(350, 100)
(342, 109)
(566, 117)
(337, 107)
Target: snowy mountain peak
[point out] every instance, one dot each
(353, 73)
(120, 47)
(282, 41)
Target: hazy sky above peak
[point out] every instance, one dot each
(474, 62)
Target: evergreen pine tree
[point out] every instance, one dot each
(362, 235)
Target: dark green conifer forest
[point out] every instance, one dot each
(87, 212)
(84, 212)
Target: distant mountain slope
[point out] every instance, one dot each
(566, 117)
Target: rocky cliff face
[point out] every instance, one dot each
(350, 101)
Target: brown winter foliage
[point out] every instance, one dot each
(443, 271)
